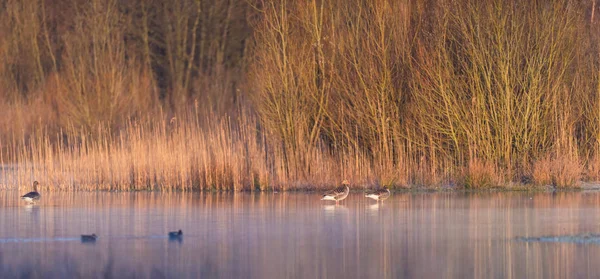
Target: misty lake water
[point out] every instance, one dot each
(295, 235)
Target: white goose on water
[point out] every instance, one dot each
(338, 194)
(34, 196)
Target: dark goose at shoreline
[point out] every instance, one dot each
(34, 196)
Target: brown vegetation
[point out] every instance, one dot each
(236, 94)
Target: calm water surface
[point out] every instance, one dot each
(295, 235)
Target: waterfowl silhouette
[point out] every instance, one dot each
(338, 194)
(379, 195)
(34, 196)
(88, 238)
(175, 235)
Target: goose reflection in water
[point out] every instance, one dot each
(374, 207)
(31, 208)
(331, 210)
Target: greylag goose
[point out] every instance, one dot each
(338, 194)
(380, 194)
(34, 196)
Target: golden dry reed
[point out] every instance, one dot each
(171, 155)
(241, 95)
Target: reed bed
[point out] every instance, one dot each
(241, 95)
(173, 155)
